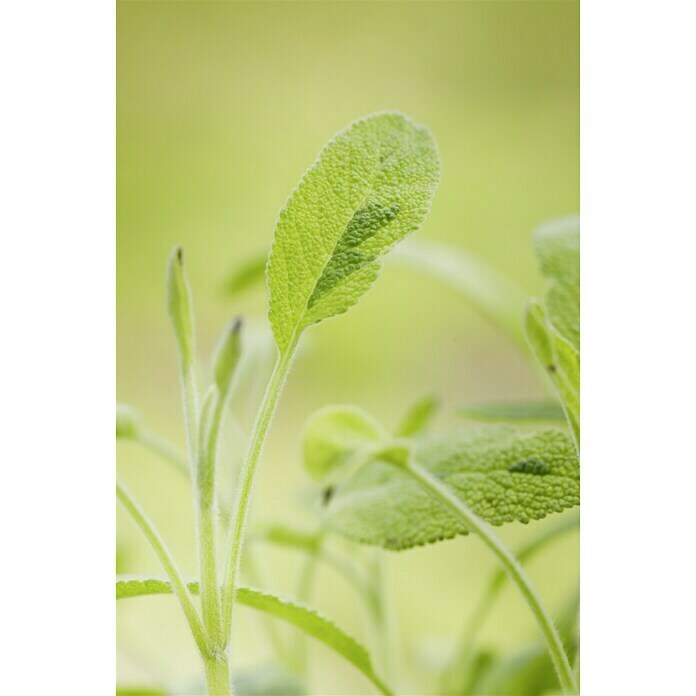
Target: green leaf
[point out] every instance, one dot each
(227, 357)
(370, 187)
(557, 245)
(307, 620)
(418, 417)
(336, 438)
(503, 476)
(518, 411)
(488, 291)
(290, 537)
(560, 360)
(180, 307)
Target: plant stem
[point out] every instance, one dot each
(209, 425)
(175, 578)
(198, 440)
(217, 675)
(258, 437)
(462, 656)
(474, 524)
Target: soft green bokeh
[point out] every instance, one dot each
(221, 107)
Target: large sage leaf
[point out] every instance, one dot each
(370, 187)
(504, 476)
(307, 620)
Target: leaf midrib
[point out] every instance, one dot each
(378, 171)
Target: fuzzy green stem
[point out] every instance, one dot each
(217, 675)
(463, 654)
(474, 524)
(211, 414)
(170, 568)
(202, 478)
(258, 437)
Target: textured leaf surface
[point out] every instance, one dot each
(502, 475)
(307, 620)
(370, 187)
(517, 411)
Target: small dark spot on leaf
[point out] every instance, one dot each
(529, 466)
(551, 368)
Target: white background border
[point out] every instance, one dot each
(638, 571)
(57, 352)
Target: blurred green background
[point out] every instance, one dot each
(220, 108)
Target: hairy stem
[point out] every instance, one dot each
(197, 431)
(211, 414)
(246, 482)
(217, 675)
(462, 656)
(476, 525)
(170, 568)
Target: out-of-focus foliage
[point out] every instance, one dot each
(516, 411)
